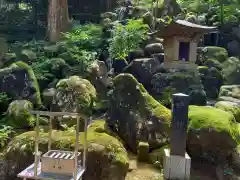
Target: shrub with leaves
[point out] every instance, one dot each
(88, 37)
(5, 134)
(127, 38)
(4, 102)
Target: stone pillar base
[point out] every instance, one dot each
(176, 167)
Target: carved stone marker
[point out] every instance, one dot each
(177, 163)
(178, 137)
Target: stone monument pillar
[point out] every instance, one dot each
(177, 163)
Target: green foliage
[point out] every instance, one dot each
(5, 133)
(127, 38)
(3, 97)
(216, 12)
(88, 37)
(4, 101)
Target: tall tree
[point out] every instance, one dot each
(58, 19)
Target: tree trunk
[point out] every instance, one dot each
(58, 19)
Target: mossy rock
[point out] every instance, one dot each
(27, 56)
(212, 133)
(212, 80)
(213, 63)
(135, 115)
(106, 160)
(175, 80)
(231, 71)
(143, 149)
(213, 52)
(33, 78)
(9, 58)
(230, 93)
(198, 97)
(231, 107)
(156, 157)
(19, 82)
(75, 94)
(18, 115)
(54, 50)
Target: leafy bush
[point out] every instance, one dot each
(88, 37)
(4, 101)
(5, 133)
(127, 38)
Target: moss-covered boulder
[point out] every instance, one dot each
(212, 52)
(27, 56)
(99, 78)
(230, 93)
(143, 150)
(231, 71)
(74, 95)
(143, 69)
(212, 133)
(8, 59)
(135, 115)
(18, 115)
(52, 51)
(48, 96)
(167, 82)
(211, 79)
(233, 108)
(210, 63)
(19, 82)
(106, 160)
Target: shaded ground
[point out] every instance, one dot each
(143, 171)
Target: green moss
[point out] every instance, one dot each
(213, 63)
(143, 149)
(137, 98)
(233, 108)
(214, 52)
(27, 56)
(33, 78)
(201, 117)
(157, 155)
(232, 91)
(83, 89)
(66, 141)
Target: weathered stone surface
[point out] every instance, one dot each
(19, 82)
(230, 93)
(231, 71)
(153, 48)
(231, 107)
(211, 79)
(166, 82)
(135, 115)
(212, 52)
(143, 69)
(212, 133)
(18, 115)
(74, 95)
(99, 78)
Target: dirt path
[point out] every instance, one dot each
(142, 171)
